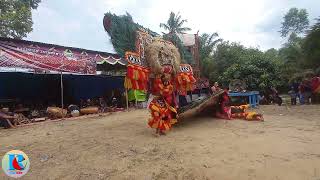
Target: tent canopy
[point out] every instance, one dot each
(21, 55)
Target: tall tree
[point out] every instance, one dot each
(311, 45)
(207, 44)
(234, 61)
(295, 21)
(175, 24)
(16, 17)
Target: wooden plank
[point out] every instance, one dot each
(196, 109)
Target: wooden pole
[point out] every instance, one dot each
(127, 99)
(61, 85)
(135, 97)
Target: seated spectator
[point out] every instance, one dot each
(6, 119)
(89, 103)
(102, 104)
(73, 107)
(82, 103)
(114, 102)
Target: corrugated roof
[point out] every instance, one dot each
(55, 45)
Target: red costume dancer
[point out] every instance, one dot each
(161, 113)
(224, 109)
(163, 87)
(228, 112)
(166, 90)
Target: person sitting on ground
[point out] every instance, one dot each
(6, 119)
(275, 96)
(89, 103)
(73, 107)
(102, 104)
(74, 110)
(82, 103)
(114, 102)
(263, 100)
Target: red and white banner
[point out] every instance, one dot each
(35, 57)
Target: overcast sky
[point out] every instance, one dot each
(78, 23)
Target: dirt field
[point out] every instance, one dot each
(120, 146)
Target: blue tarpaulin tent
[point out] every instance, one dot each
(35, 72)
(45, 88)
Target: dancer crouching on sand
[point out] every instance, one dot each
(161, 113)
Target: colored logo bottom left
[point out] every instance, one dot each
(15, 163)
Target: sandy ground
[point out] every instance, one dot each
(120, 146)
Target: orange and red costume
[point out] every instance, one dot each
(249, 116)
(161, 114)
(241, 113)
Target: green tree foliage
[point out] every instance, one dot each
(311, 46)
(32, 3)
(16, 17)
(233, 61)
(207, 44)
(295, 21)
(295, 60)
(174, 26)
(292, 54)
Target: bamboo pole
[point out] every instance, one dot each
(135, 96)
(127, 99)
(61, 85)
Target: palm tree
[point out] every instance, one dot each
(175, 24)
(207, 44)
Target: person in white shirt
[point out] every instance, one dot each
(215, 88)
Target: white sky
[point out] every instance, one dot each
(78, 23)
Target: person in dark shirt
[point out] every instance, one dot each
(102, 104)
(293, 96)
(295, 89)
